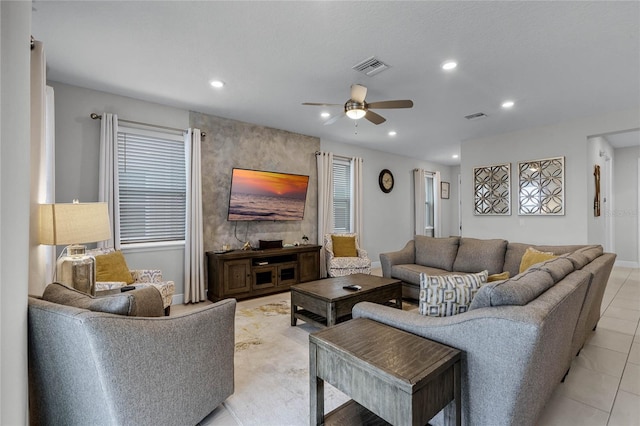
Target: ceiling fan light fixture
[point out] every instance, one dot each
(354, 110)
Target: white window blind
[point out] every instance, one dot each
(152, 186)
(341, 196)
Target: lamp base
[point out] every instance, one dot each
(77, 270)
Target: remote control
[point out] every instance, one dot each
(127, 288)
(352, 287)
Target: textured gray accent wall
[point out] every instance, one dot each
(230, 144)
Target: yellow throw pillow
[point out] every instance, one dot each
(498, 277)
(112, 267)
(344, 246)
(533, 256)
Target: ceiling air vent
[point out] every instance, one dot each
(371, 66)
(476, 116)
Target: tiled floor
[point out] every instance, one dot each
(603, 384)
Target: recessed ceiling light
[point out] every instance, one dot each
(449, 65)
(217, 84)
(392, 133)
(325, 114)
(455, 156)
(508, 104)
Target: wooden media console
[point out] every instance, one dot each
(242, 274)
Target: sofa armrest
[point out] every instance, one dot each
(362, 253)
(405, 256)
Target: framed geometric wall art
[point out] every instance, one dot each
(492, 190)
(541, 187)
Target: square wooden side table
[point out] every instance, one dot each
(400, 378)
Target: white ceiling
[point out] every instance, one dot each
(557, 60)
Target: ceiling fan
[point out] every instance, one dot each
(357, 108)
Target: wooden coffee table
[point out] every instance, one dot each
(325, 303)
(393, 376)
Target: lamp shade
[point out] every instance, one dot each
(75, 223)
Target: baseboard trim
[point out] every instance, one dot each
(177, 299)
(376, 265)
(626, 264)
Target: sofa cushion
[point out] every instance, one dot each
(532, 256)
(436, 252)
(584, 255)
(476, 255)
(557, 267)
(518, 290)
(446, 295)
(143, 302)
(113, 267)
(344, 246)
(410, 273)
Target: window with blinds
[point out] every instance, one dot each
(341, 196)
(152, 186)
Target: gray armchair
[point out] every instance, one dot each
(98, 368)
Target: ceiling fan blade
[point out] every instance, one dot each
(318, 104)
(358, 93)
(391, 104)
(374, 118)
(334, 119)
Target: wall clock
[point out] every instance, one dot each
(385, 180)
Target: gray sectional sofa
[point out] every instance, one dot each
(97, 368)
(519, 335)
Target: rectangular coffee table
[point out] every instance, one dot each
(325, 303)
(393, 376)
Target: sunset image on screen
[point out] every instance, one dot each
(260, 195)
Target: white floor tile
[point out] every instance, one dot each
(618, 325)
(621, 302)
(219, 417)
(626, 410)
(561, 411)
(602, 360)
(622, 313)
(589, 387)
(634, 354)
(611, 340)
(631, 379)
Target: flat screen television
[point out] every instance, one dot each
(262, 195)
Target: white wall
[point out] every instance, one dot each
(77, 154)
(625, 211)
(388, 218)
(15, 29)
(567, 139)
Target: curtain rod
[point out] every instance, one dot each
(340, 157)
(99, 117)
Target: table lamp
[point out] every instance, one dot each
(73, 225)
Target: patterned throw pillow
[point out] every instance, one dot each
(446, 295)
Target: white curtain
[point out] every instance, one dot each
(324, 161)
(108, 176)
(437, 228)
(194, 285)
(419, 201)
(42, 169)
(356, 171)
